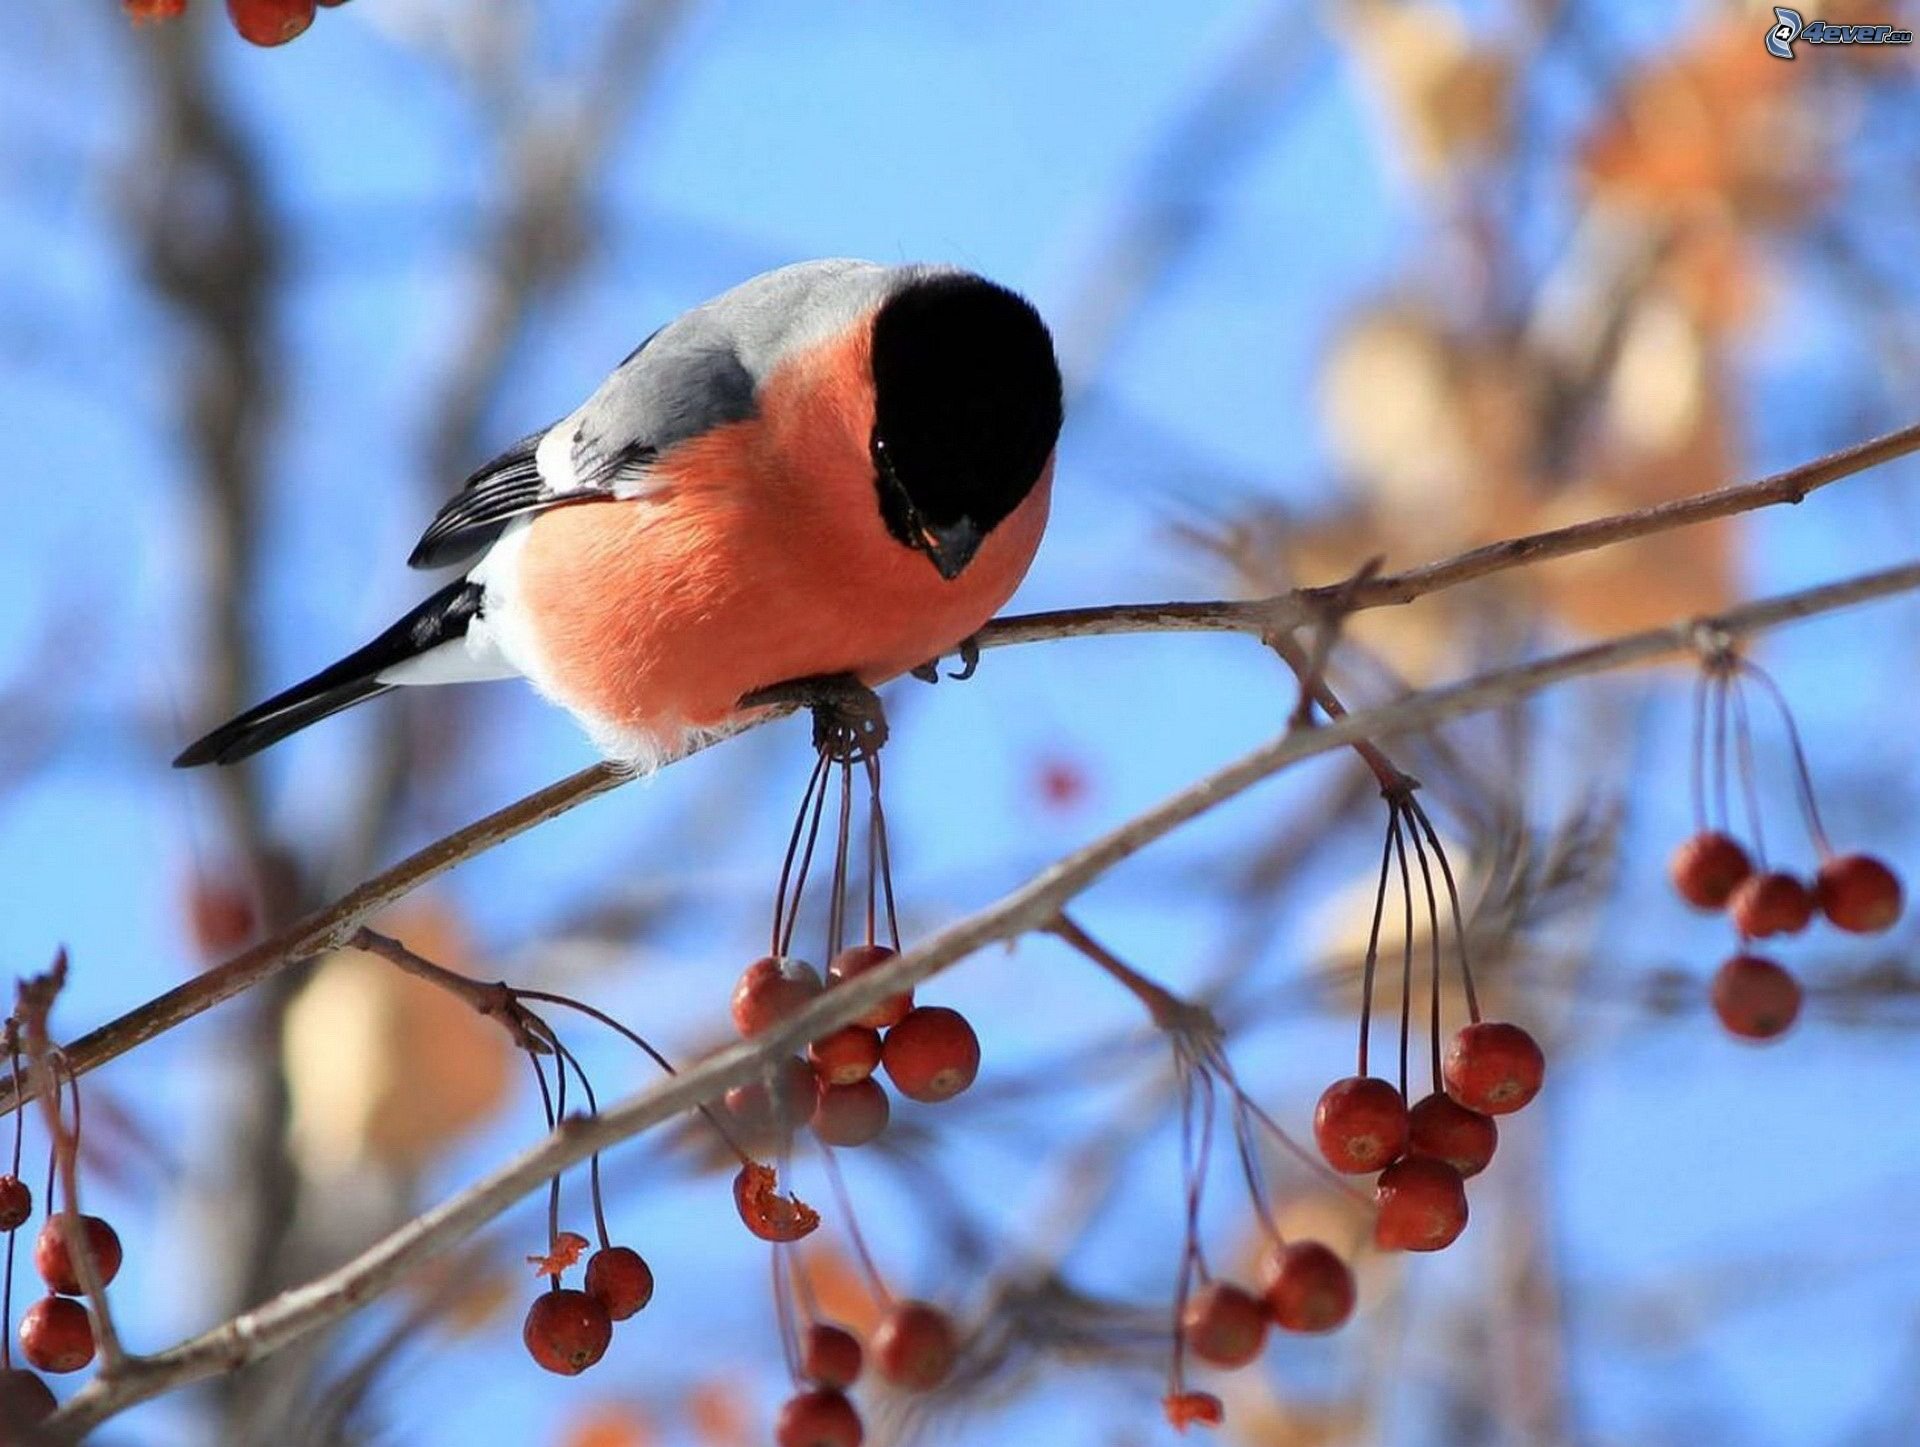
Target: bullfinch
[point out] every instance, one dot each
(836, 469)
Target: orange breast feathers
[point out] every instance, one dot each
(759, 557)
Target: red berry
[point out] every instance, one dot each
(566, 1331)
(220, 916)
(140, 11)
(1360, 1124)
(1185, 1409)
(1308, 1287)
(1755, 998)
(1706, 869)
(1493, 1067)
(932, 1054)
(24, 1399)
(1441, 1127)
(849, 964)
(847, 1056)
(16, 1203)
(1858, 893)
(767, 1111)
(1771, 904)
(851, 1115)
(830, 1357)
(1422, 1204)
(818, 1419)
(55, 1266)
(1063, 783)
(772, 989)
(270, 22)
(619, 1278)
(765, 1212)
(1224, 1325)
(56, 1334)
(914, 1346)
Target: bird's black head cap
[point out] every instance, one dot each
(966, 411)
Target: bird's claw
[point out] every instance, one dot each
(929, 672)
(849, 721)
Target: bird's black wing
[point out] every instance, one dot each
(681, 382)
(508, 487)
(440, 619)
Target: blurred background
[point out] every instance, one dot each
(1330, 281)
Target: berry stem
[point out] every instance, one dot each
(1373, 934)
(1803, 775)
(553, 1183)
(783, 1312)
(782, 924)
(1196, 1154)
(569, 1060)
(13, 1236)
(1244, 1147)
(843, 1198)
(843, 843)
(34, 1002)
(1433, 972)
(1721, 766)
(1453, 903)
(635, 1038)
(882, 852)
(19, 1117)
(1749, 774)
(823, 774)
(1224, 1068)
(802, 1284)
(1406, 953)
(1697, 754)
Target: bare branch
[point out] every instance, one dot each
(1266, 618)
(1290, 610)
(1034, 906)
(34, 1002)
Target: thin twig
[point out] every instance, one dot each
(34, 1002)
(494, 999)
(329, 927)
(1169, 1011)
(319, 1303)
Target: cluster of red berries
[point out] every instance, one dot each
(929, 1052)
(1754, 997)
(56, 1332)
(913, 1349)
(1757, 998)
(1304, 1287)
(1425, 1153)
(264, 22)
(568, 1330)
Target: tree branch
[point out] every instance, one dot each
(1290, 610)
(1265, 617)
(1034, 906)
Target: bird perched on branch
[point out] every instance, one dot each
(826, 477)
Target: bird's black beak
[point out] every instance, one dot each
(951, 547)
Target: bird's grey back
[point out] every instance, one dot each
(702, 370)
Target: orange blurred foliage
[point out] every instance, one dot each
(384, 1068)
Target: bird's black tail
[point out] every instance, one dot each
(353, 679)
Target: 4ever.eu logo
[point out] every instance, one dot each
(1788, 27)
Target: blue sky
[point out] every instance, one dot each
(1014, 139)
